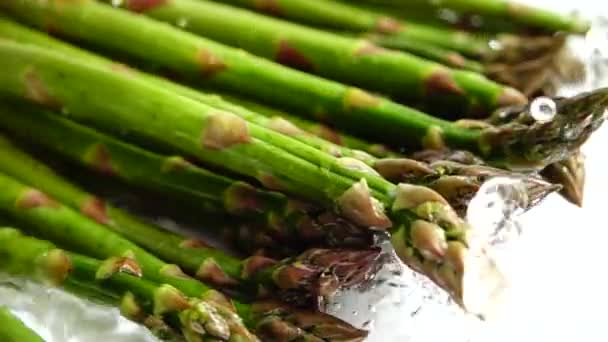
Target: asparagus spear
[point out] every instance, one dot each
(330, 55)
(13, 330)
(198, 319)
(16, 32)
(318, 129)
(348, 108)
(453, 176)
(313, 276)
(50, 219)
(345, 16)
(520, 13)
(423, 225)
(285, 220)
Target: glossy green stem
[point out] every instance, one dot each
(13, 330)
(523, 14)
(345, 16)
(348, 108)
(353, 61)
(282, 219)
(208, 316)
(41, 261)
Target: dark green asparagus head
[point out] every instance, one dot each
(278, 322)
(314, 276)
(570, 174)
(544, 132)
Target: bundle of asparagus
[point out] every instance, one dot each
(309, 168)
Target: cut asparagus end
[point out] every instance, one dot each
(312, 278)
(545, 131)
(279, 322)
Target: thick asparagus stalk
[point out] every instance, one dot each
(198, 319)
(13, 330)
(337, 57)
(422, 223)
(50, 219)
(520, 13)
(16, 32)
(348, 108)
(345, 16)
(318, 129)
(307, 273)
(284, 220)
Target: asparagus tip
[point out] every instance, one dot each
(279, 322)
(317, 274)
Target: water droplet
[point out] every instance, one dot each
(543, 109)
(117, 3)
(182, 22)
(492, 212)
(495, 44)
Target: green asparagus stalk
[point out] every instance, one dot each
(353, 61)
(13, 31)
(434, 53)
(198, 319)
(318, 129)
(519, 13)
(307, 273)
(452, 175)
(49, 219)
(13, 330)
(348, 17)
(286, 220)
(348, 108)
(426, 232)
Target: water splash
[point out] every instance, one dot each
(493, 211)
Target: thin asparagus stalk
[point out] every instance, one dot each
(426, 232)
(285, 220)
(520, 13)
(313, 276)
(434, 53)
(50, 219)
(198, 319)
(345, 16)
(569, 173)
(353, 61)
(348, 108)
(13, 330)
